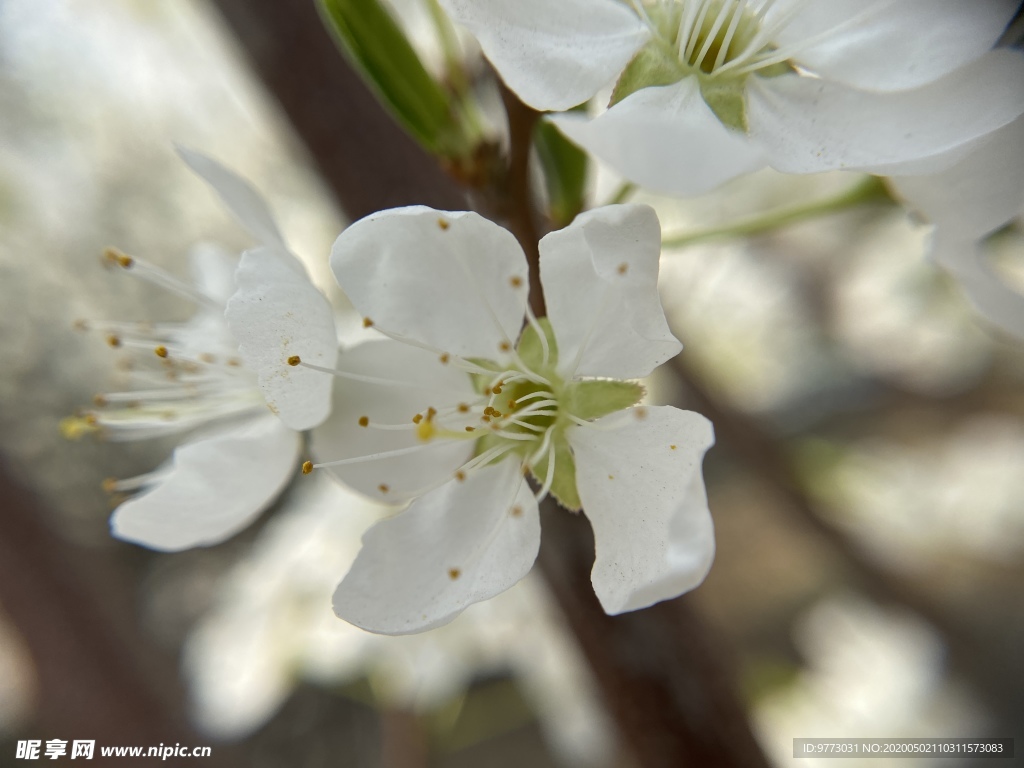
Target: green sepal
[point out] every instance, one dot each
(563, 487)
(727, 99)
(653, 65)
(531, 351)
(593, 399)
(565, 173)
(367, 33)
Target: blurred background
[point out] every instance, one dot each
(867, 488)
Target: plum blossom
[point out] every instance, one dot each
(966, 203)
(193, 378)
(452, 412)
(707, 90)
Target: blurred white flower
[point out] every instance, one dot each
(269, 631)
(707, 90)
(919, 505)
(968, 202)
(194, 378)
(451, 412)
(870, 674)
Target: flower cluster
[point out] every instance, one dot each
(707, 90)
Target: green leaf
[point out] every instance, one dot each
(565, 173)
(368, 34)
(531, 351)
(563, 487)
(593, 399)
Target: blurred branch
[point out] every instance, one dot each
(659, 669)
(334, 113)
(99, 677)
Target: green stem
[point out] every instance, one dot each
(871, 189)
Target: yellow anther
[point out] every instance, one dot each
(234, 362)
(431, 413)
(110, 485)
(383, 488)
(99, 401)
(206, 357)
(161, 351)
(294, 360)
(307, 467)
(367, 322)
(485, 418)
(471, 429)
(445, 358)
(425, 430)
(516, 511)
(515, 281)
(463, 408)
(74, 427)
(505, 346)
(623, 268)
(417, 418)
(443, 224)
(672, 447)
(114, 340)
(454, 573)
(364, 421)
(115, 256)
(640, 413)
(460, 475)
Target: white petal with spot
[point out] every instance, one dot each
(276, 313)
(807, 125)
(610, 256)
(454, 281)
(218, 484)
(646, 502)
(666, 139)
(238, 195)
(458, 545)
(554, 55)
(422, 381)
(890, 45)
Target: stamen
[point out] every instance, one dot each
(543, 337)
(549, 477)
(715, 27)
(159, 277)
(729, 34)
(371, 456)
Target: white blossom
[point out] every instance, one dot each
(707, 90)
(966, 203)
(192, 378)
(452, 412)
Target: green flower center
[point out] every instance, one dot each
(721, 42)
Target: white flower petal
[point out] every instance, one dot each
(458, 545)
(554, 55)
(639, 475)
(218, 484)
(213, 271)
(891, 45)
(431, 383)
(454, 281)
(978, 194)
(247, 205)
(276, 313)
(609, 255)
(807, 125)
(991, 297)
(666, 139)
